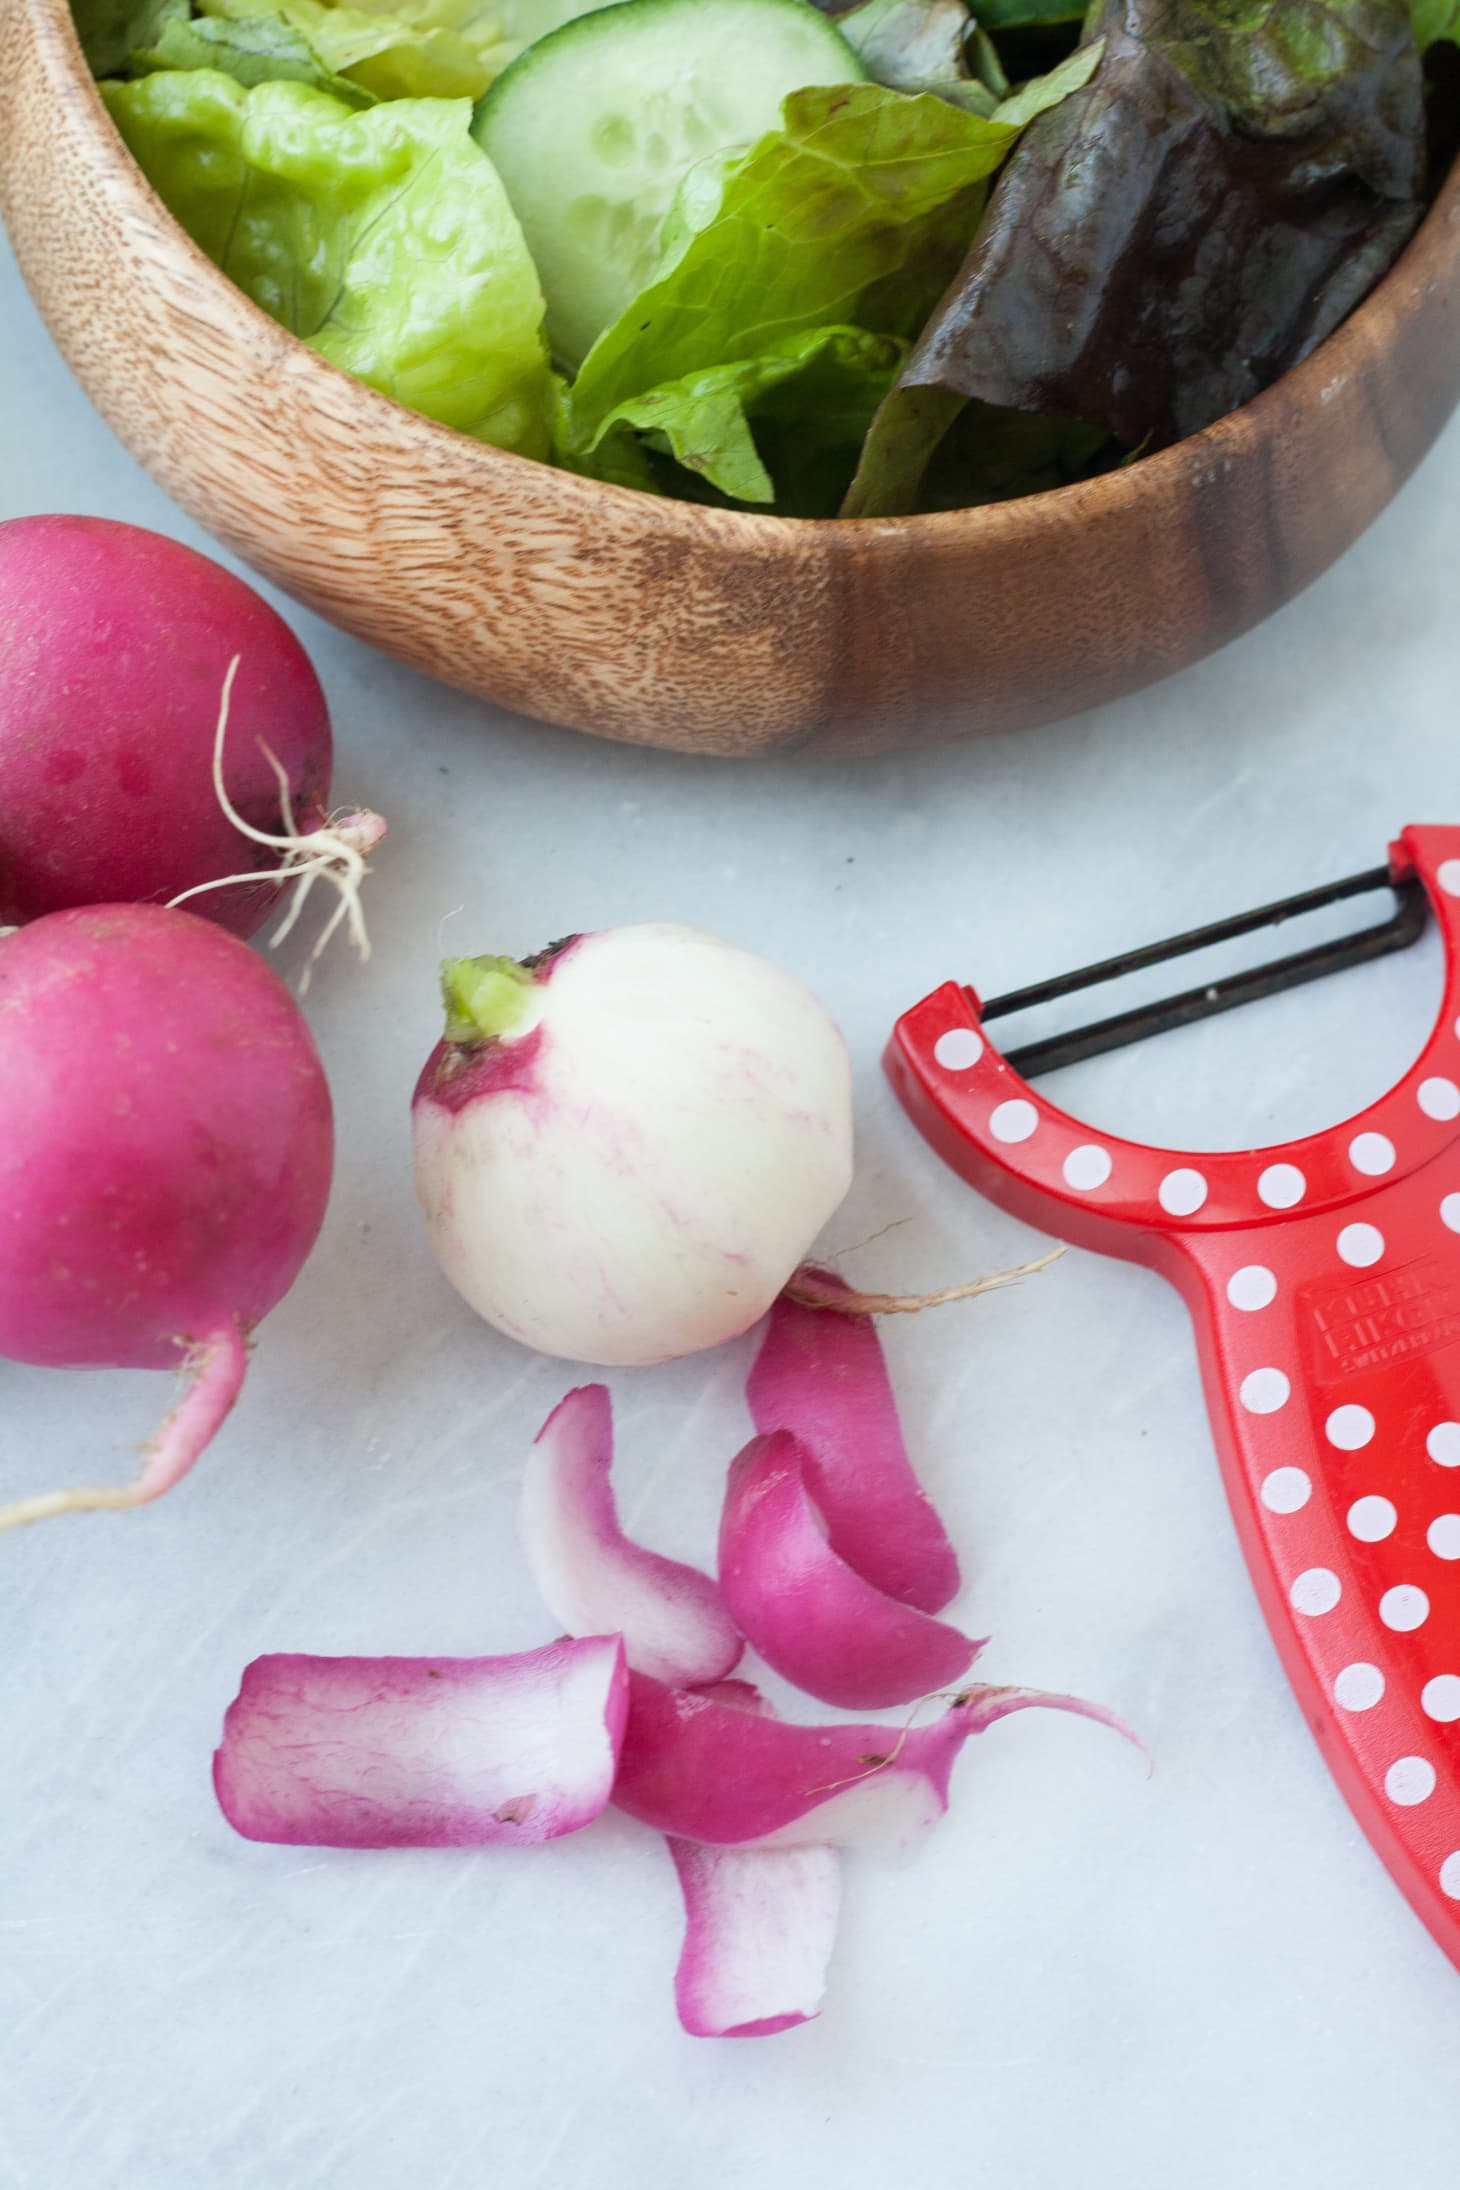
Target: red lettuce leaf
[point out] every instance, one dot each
(1171, 239)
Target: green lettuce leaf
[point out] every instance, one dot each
(914, 45)
(1172, 238)
(825, 382)
(261, 50)
(110, 31)
(383, 238)
(1434, 20)
(415, 49)
(398, 49)
(1029, 100)
(935, 46)
(847, 220)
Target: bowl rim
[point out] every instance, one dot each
(755, 532)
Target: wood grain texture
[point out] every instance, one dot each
(655, 621)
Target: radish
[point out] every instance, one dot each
(165, 1154)
(624, 1148)
(115, 644)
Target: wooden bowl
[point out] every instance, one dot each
(656, 621)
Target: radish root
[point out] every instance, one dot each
(810, 1290)
(336, 853)
(215, 1372)
(875, 1764)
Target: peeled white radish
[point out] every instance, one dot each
(624, 1150)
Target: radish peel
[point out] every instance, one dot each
(808, 1613)
(822, 1376)
(593, 1578)
(760, 1924)
(701, 1770)
(423, 1752)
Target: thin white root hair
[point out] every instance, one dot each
(336, 853)
(808, 1291)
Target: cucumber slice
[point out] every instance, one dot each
(592, 128)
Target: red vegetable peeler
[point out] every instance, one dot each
(1324, 1281)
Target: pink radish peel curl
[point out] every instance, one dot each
(593, 1577)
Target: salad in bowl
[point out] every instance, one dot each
(910, 256)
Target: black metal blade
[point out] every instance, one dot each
(1404, 926)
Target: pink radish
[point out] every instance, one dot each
(807, 1612)
(165, 1155)
(423, 1752)
(114, 647)
(821, 1375)
(593, 1577)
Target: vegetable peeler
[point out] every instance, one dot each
(1323, 1279)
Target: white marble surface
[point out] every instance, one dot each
(1087, 1977)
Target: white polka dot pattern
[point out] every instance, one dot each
(1324, 1263)
(1286, 1490)
(1358, 1687)
(1086, 1168)
(1404, 1608)
(958, 1049)
(1447, 874)
(1441, 1698)
(1439, 1099)
(1315, 1591)
(1014, 1121)
(1443, 1536)
(1282, 1186)
(1252, 1288)
(1360, 1245)
(1410, 1780)
(1182, 1192)
(1264, 1391)
(1371, 1519)
(1349, 1429)
(1443, 1444)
